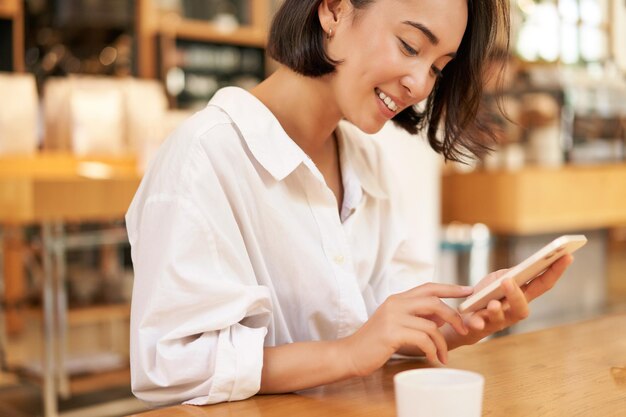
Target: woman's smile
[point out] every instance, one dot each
(389, 102)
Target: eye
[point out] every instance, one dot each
(407, 49)
(436, 72)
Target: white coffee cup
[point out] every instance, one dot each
(439, 392)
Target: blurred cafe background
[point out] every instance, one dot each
(90, 88)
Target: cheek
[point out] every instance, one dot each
(384, 62)
(371, 67)
(351, 80)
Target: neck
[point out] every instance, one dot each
(304, 106)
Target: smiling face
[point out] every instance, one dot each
(392, 53)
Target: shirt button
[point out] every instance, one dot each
(339, 259)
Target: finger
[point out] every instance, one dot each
(547, 280)
(439, 290)
(433, 306)
(489, 279)
(423, 341)
(494, 311)
(497, 274)
(440, 322)
(477, 320)
(418, 324)
(515, 304)
(496, 314)
(427, 346)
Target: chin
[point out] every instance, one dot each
(369, 126)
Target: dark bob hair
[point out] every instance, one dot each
(296, 40)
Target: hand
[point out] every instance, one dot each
(513, 308)
(409, 319)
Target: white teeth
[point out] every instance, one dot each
(391, 105)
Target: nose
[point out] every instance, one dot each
(418, 83)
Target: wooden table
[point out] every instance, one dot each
(568, 371)
(49, 190)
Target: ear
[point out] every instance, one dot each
(330, 12)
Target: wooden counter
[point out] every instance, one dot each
(62, 187)
(538, 200)
(574, 370)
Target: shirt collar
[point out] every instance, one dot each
(362, 158)
(263, 134)
(280, 155)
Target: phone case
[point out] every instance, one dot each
(525, 271)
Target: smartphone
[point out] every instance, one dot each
(525, 271)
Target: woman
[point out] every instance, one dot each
(268, 246)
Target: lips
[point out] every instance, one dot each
(389, 102)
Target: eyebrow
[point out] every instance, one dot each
(428, 33)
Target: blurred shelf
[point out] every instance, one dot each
(538, 200)
(79, 316)
(88, 367)
(9, 9)
(158, 31)
(91, 380)
(100, 381)
(98, 314)
(12, 15)
(196, 30)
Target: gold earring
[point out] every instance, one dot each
(329, 34)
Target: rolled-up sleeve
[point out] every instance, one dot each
(198, 320)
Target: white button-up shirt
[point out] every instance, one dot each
(237, 244)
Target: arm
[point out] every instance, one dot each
(198, 323)
(406, 319)
(304, 365)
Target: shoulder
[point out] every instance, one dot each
(187, 148)
(207, 127)
(191, 158)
